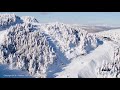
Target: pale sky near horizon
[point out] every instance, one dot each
(108, 18)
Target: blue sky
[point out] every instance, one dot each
(108, 18)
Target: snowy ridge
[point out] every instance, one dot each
(7, 20)
(29, 19)
(40, 48)
(55, 50)
(108, 64)
(68, 36)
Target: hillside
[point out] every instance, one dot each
(55, 50)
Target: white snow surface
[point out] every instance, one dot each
(57, 50)
(3, 34)
(84, 67)
(88, 66)
(6, 72)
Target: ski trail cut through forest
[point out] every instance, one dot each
(61, 58)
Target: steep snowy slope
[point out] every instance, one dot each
(103, 62)
(41, 49)
(56, 50)
(86, 66)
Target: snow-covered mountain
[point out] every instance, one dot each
(6, 20)
(29, 19)
(55, 50)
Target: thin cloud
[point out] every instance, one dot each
(45, 13)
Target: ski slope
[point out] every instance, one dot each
(84, 66)
(57, 50)
(78, 66)
(87, 66)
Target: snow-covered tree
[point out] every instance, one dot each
(27, 50)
